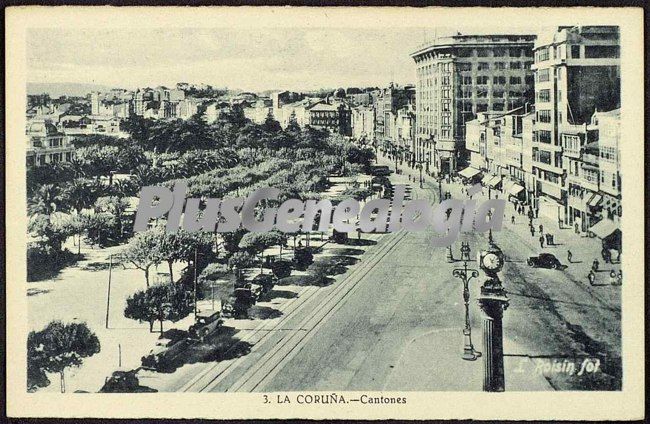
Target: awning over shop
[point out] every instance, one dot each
(515, 189)
(469, 172)
(604, 228)
(494, 181)
(594, 200)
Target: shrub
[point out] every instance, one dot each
(281, 269)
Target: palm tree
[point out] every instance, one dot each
(79, 194)
(43, 200)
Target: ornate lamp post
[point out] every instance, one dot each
(493, 301)
(466, 274)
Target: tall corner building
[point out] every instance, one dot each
(577, 73)
(457, 78)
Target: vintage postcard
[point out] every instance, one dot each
(311, 212)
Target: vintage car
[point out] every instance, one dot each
(544, 260)
(207, 322)
(164, 352)
(122, 381)
(241, 300)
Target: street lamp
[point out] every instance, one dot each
(466, 274)
(493, 302)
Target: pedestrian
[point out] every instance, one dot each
(569, 256)
(594, 265)
(541, 229)
(541, 241)
(532, 230)
(607, 256)
(592, 277)
(547, 236)
(577, 228)
(512, 219)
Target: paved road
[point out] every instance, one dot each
(394, 322)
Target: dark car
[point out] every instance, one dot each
(544, 260)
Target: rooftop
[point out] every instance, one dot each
(475, 40)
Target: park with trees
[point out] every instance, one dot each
(89, 201)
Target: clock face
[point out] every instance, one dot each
(491, 261)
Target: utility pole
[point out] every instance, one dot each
(108, 294)
(196, 255)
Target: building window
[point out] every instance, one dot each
(515, 65)
(497, 106)
(467, 80)
(499, 80)
(575, 52)
(544, 116)
(481, 107)
(483, 66)
(542, 55)
(482, 79)
(499, 66)
(445, 80)
(483, 52)
(514, 94)
(601, 52)
(542, 75)
(500, 51)
(464, 52)
(482, 93)
(515, 80)
(464, 66)
(544, 157)
(544, 136)
(544, 96)
(529, 80)
(498, 93)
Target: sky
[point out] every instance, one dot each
(249, 59)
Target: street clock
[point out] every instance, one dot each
(491, 260)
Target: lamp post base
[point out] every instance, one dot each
(469, 354)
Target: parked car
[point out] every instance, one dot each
(302, 256)
(163, 353)
(121, 382)
(207, 322)
(544, 260)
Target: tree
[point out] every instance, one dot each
(292, 126)
(57, 347)
(256, 243)
(52, 234)
(159, 303)
(143, 250)
(116, 206)
(182, 246)
(270, 124)
(79, 194)
(44, 200)
(239, 261)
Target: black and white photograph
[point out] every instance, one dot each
(326, 215)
